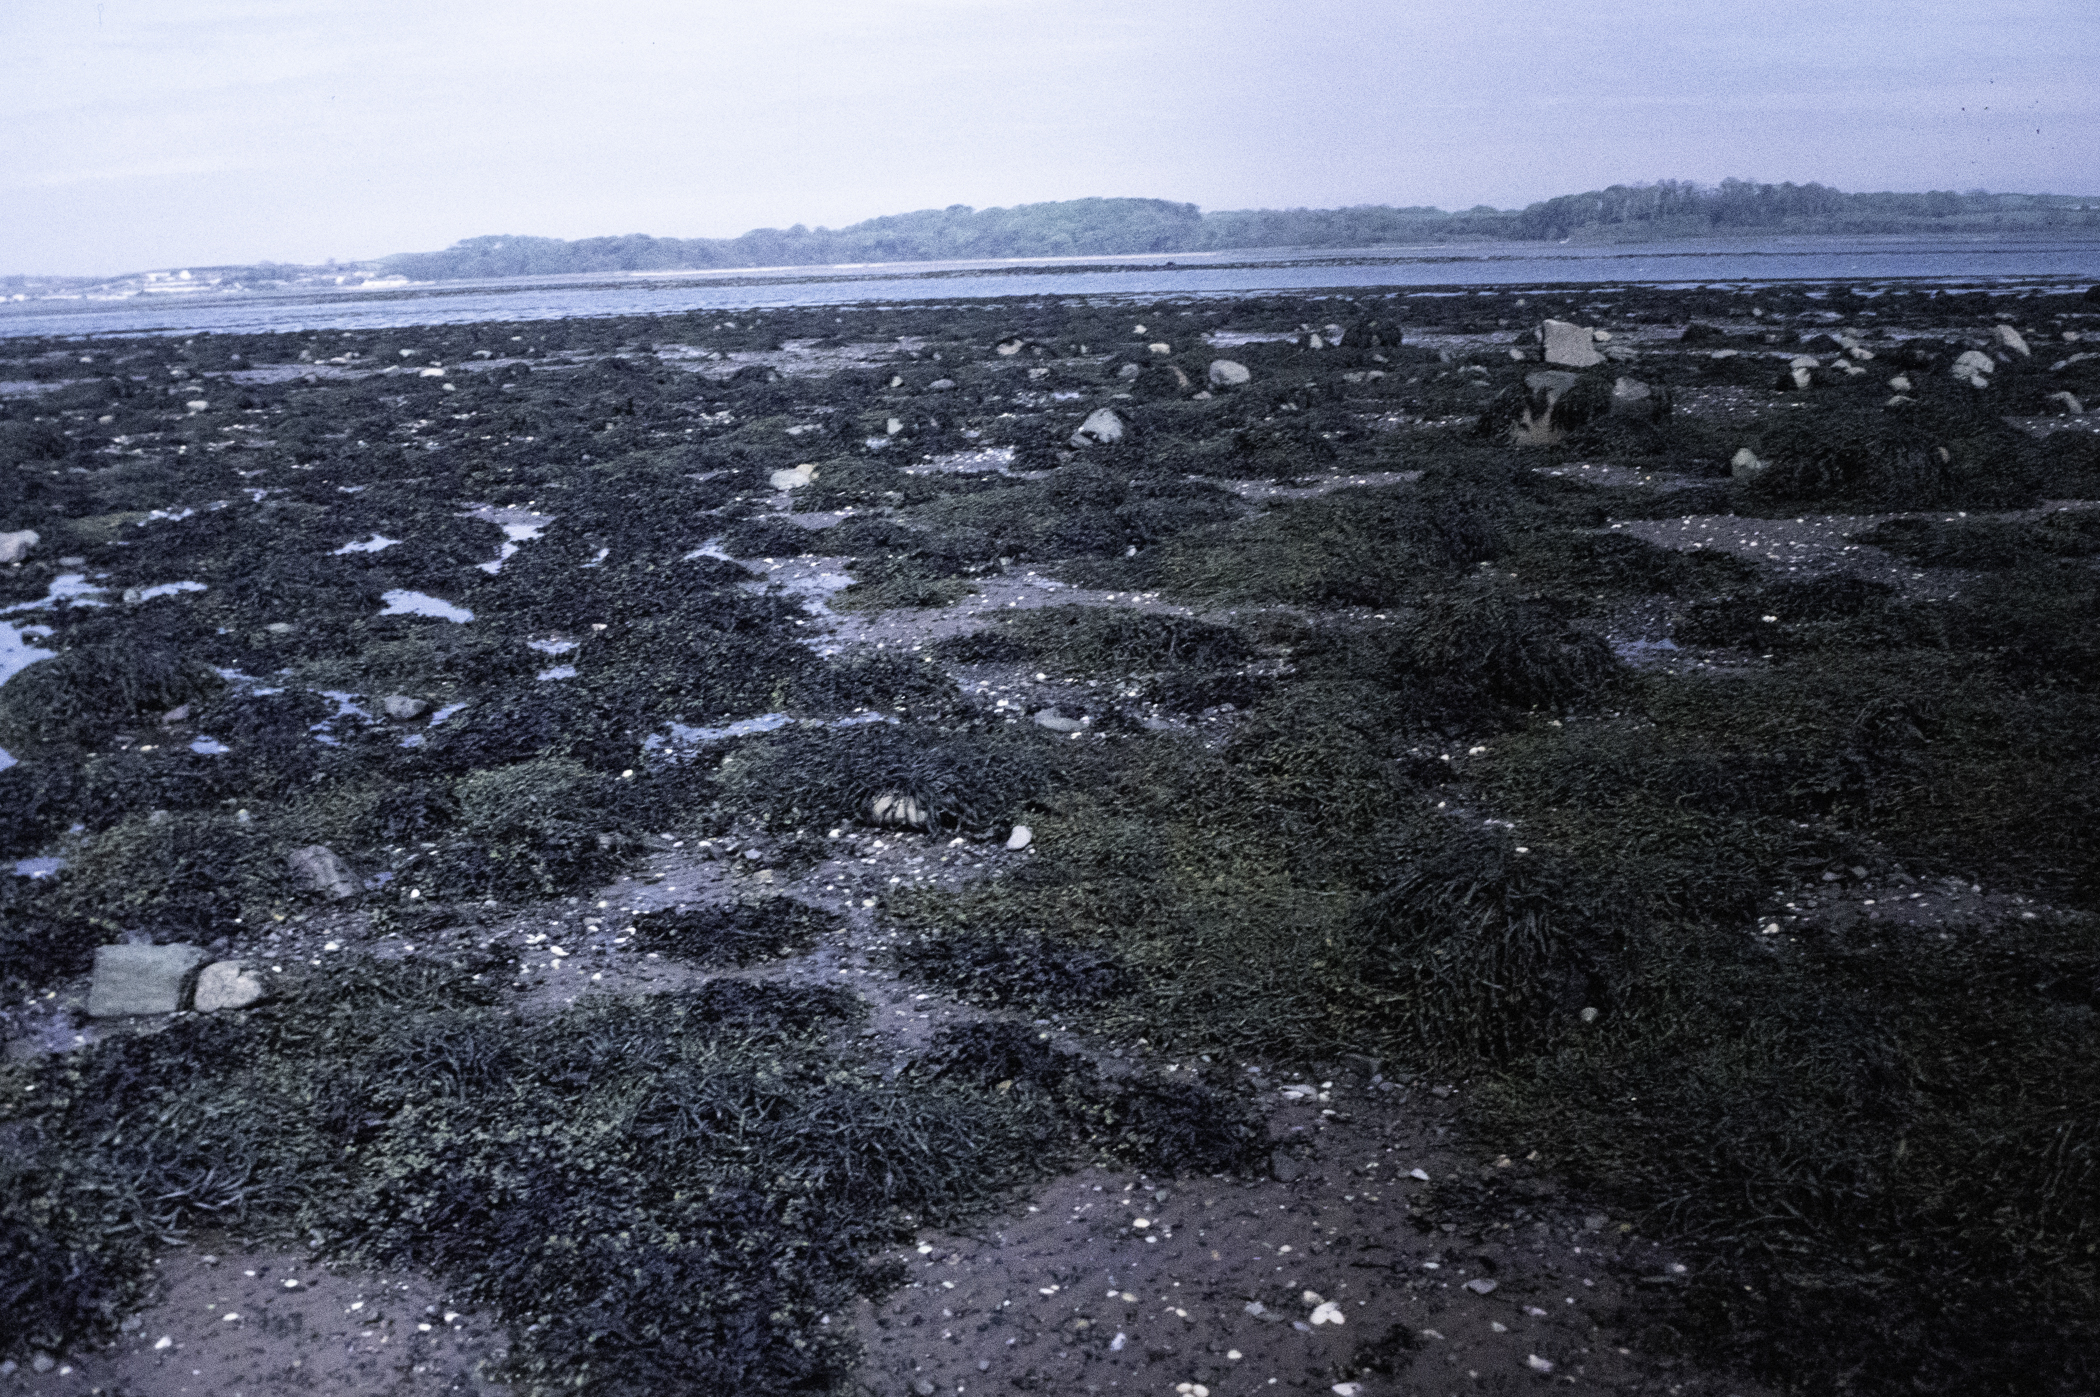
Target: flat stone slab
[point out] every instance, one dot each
(140, 979)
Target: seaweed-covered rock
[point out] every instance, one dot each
(318, 868)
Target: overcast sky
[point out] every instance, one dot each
(162, 133)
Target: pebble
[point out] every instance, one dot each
(1021, 838)
(1481, 1285)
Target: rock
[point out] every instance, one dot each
(2011, 339)
(403, 707)
(1101, 426)
(140, 979)
(1974, 368)
(1542, 411)
(939, 385)
(1745, 464)
(1128, 371)
(224, 985)
(1228, 373)
(796, 477)
(1802, 369)
(1285, 1169)
(923, 1388)
(1696, 335)
(1160, 348)
(1572, 345)
(1056, 722)
(1632, 398)
(320, 869)
(1021, 838)
(1481, 1285)
(2068, 402)
(1900, 383)
(15, 547)
(1010, 346)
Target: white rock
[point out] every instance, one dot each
(1481, 1285)
(1572, 345)
(1538, 1364)
(224, 985)
(1974, 368)
(1228, 373)
(403, 707)
(795, 477)
(1021, 838)
(1900, 383)
(2011, 339)
(1007, 348)
(1055, 721)
(1102, 425)
(1161, 348)
(15, 547)
(140, 979)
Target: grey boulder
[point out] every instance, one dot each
(1228, 373)
(1574, 346)
(224, 985)
(140, 979)
(1102, 426)
(403, 707)
(320, 869)
(2009, 338)
(15, 547)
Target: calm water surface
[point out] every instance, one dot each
(1865, 263)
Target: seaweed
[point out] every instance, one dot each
(732, 935)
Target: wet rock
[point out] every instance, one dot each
(2009, 338)
(2068, 402)
(224, 985)
(402, 707)
(320, 869)
(1228, 373)
(15, 547)
(1055, 721)
(1974, 368)
(795, 477)
(1646, 401)
(1102, 426)
(1021, 838)
(1572, 345)
(140, 979)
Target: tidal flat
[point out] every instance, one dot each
(1057, 844)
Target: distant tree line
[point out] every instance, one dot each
(1113, 227)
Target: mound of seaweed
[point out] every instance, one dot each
(625, 1181)
(732, 935)
(970, 781)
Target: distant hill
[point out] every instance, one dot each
(1121, 227)
(1081, 227)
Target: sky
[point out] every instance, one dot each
(138, 135)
